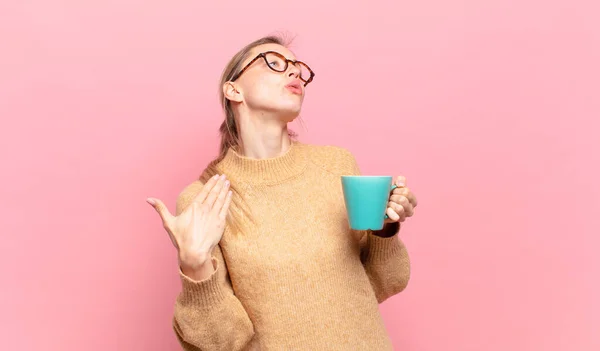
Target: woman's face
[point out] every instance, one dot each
(263, 89)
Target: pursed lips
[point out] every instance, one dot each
(295, 87)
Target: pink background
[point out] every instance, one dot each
(489, 108)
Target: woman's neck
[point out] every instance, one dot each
(264, 139)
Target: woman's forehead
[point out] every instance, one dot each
(271, 47)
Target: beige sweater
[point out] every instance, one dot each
(300, 279)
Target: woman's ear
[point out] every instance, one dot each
(231, 92)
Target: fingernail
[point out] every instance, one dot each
(150, 201)
(222, 176)
(226, 183)
(215, 176)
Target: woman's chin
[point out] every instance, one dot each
(289, 115)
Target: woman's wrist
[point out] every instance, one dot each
(200, 272)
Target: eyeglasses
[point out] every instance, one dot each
(279, 63)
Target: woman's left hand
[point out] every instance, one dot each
(402, 202)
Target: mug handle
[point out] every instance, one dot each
(394, 186)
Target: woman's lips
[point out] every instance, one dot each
(295, 87)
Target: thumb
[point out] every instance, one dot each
(401, 181)
(160, 207)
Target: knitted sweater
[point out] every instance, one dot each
(299, 278)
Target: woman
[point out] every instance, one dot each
(267, 259)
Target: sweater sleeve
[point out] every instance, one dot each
(387, 264)
(385, 259)
(208, 315)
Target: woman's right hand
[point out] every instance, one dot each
(197, 230)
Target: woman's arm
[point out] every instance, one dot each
(383, 254)
(208, 316)
(386, 262)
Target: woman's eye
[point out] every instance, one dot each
(274, 63)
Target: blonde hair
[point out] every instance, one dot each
(230, 134)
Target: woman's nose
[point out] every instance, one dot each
(293, 70)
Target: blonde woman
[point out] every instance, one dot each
(267, 259)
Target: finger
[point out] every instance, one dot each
(400, 190)
(406, 193)
(412, 199)
(399, 209)
(403, 201)
(225, 208)
(399, 199)
(162, 210)
(203, 194)
(392, 214)
(408, 208)
(215, 191)
(400, 181)
(216, 209)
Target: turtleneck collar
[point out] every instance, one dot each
(264, 171)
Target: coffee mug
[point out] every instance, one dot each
(366, 199)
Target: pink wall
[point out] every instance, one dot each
(490, 108)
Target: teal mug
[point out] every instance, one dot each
(366, 199)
